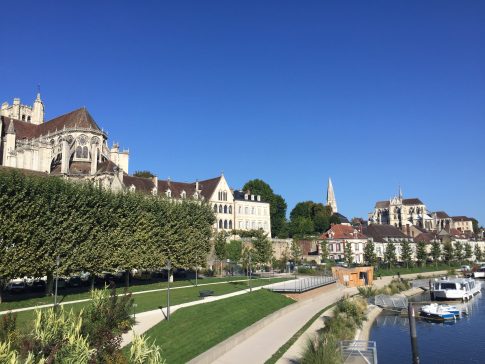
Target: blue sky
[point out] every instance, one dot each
(374, 94)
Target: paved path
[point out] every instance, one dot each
(294, 352)
(121, 294)
(148, 319)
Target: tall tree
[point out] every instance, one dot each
(277, 205)
(263, 248)
(370, 256)
(348, 255)
(301, 226)
(390, 254)
(320, 216)
(324, 251)
(448, 252)
(234, 250)
(436, 252)
(459, 251)
(295, 251)
(406, 253)
(421, 253)
(476, 228)
(478, 253)
(468, 251)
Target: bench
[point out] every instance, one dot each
(203, 294)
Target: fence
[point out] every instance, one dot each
(359, 351)
(302, 284)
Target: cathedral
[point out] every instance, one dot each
(71, 145)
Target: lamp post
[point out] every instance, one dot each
(196, 268)
(58, 260)
(249, 268)
(169, 267)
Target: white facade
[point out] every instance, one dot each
(250, 213)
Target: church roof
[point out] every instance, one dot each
(79, 118)
(441, 215)
(405, 201)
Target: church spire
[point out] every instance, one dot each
(331, 201)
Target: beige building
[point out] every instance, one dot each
(250, 213)
(341, 234)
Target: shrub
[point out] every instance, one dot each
(368, 291)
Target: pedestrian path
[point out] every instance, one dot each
(293, 354)
(146, 320)
(30, 308)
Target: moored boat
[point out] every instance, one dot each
(436, 312)
(455, 289)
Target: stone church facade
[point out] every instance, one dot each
(71, 145)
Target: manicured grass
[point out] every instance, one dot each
(193, 330)
(153, 300)
(429, 268)
(38, 301)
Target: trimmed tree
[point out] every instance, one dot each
(370, 256)
(448, 252)
(324, 251)
(421, 254)
(220, 247)
(459, 252)
(263, 249)
(406, 253)
(436, 252)
(390, 254)
(468, 251)
(478, 253)
(348, 256)
(295, 251)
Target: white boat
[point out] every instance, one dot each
(480, 273)
(455, 289)
(436, 312)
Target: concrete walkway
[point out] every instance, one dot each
(146, 320)
(293, 354)
(30, 308)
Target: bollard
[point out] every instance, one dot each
(412, 332)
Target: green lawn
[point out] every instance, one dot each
(138, 288)
(428, 268)
(153, 300)
(193, 330)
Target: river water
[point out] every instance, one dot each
(462, 341)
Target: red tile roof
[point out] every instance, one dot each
(340, 231)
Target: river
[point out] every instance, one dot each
(461, 341)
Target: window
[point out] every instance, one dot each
(79, 152)
(183, 194)
(230, 209)
(220, 224)
(240, 209)
(220, 209)
(247, 224)
(246, 210)
(253, 225)
(225, 209)
(28, 118)
(23, 117)
(225, 224)
(168, 193)
(230, 224)
(252, 211)
(215, 208)
(240, 224)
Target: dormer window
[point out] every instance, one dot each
(132, 188)
(196, 195)
(154, 191)
(168, 193)
(183, 194)
(246, 196)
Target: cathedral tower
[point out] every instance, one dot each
(331, 201)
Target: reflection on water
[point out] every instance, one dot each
(460, 341)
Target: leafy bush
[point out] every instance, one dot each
(348, 315)
(368, 291)
(91, 336)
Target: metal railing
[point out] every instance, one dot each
(302, 284)
(359, 351)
